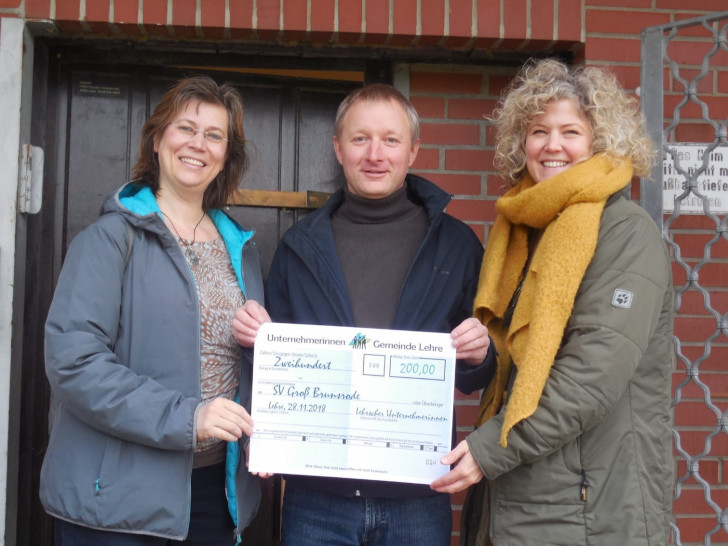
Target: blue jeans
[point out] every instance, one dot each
(311, 518)
(210, 521)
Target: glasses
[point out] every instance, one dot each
(213, 137)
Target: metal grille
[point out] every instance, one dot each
(683, 71)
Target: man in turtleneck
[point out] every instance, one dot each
(381, 253)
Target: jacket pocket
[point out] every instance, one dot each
(109, 469)
(523, 523)
(526, 483)
(571, 453)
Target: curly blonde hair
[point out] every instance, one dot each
(615, 118)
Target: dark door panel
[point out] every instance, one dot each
(291, 153)
(98, 149)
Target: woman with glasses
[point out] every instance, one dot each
(149, 386)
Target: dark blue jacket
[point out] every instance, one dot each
(306, 286)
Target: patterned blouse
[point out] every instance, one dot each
(219, 295)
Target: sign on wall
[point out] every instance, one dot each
(681, 166)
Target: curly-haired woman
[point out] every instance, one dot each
(574, 434)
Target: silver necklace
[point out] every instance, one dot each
(190, 253)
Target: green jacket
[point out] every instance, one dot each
(593, 464)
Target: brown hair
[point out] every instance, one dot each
(378, 92)
(197, 89)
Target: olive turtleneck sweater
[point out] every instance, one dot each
(377, 240)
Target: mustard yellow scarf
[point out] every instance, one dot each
(568, 209)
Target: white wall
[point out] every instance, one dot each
(13, 54)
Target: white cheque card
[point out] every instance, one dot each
(352, 402)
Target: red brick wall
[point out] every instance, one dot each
(456, 153)
(409, 23)
(613, 38)
(456, 150)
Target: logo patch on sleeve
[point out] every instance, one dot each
(622, 298)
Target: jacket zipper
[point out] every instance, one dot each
(242, 269)
(584, 484)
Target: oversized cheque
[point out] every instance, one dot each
(352, 402)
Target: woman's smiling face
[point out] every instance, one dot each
(191, 162)
(557, 140)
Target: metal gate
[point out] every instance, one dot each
(684, 94)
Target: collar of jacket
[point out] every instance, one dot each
(312, 240)
(138, 205)
(419, 190)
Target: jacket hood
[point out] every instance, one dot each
(138, 205)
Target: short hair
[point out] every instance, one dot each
(614, 117)
(200, 89)
(378, 92)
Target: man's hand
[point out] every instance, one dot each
(471, 341)
(466, 473)
(247, 320)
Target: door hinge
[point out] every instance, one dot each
(30, 185)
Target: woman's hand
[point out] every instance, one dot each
(471, 341)
(223, 419)
(247, 320)
(466, 473)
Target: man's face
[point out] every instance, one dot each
(375, 148)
